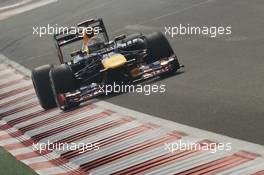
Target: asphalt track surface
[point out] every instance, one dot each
(222, 87)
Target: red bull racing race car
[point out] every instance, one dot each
(126, 59)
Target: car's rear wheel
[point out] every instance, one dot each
(42, 86)
(158, 47)
(132, 36)
(62, 81)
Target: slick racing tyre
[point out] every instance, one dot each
(62, 81)
(158, 47)
(42, 86)
(132, 36)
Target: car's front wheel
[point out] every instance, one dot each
(62, 81)
(42, 86)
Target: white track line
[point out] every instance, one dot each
(62, 122)
(76, 130)
(15, 86)
(246, 168)
(17, 96)
(15, 5)
(137, 159)
(37, 119)
(17, 106)
(25, 8)
(117, 147)
(188, 163)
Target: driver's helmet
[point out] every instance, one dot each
(95, 43)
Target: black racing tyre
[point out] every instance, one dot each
(158, 47)
(62, 79)
(131, 37)
(42, 86)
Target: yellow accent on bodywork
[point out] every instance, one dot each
(114, 61)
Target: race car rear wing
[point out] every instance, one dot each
(70, 35)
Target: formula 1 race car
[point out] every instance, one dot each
(126, 59)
